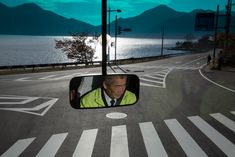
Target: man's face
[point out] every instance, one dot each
(117, 88)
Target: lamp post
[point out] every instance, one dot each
(109, 32)
(109, 11)
(115, 55)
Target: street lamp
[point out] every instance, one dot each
(109, 11)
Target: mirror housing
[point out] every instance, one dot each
(97, 91)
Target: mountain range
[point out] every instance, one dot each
(30, 19)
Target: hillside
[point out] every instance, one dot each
(150, 23)
(30, 19)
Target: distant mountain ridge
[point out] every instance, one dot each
(151, 22)
(30, 19)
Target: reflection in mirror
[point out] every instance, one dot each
(99, 91)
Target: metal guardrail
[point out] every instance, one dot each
(64, 65)
(48, 65)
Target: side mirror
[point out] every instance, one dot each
(97, 91)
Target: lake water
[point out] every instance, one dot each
(24, 50)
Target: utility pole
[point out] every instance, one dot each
(215, 35)
(115, 52)
(109, 31)
(163, 31)
(227, 27)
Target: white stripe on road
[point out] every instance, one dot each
(165, 70)
(52, 145)
(24, 79)
(66, 76)
(25, 100)
(47, 77)
(152, 141)
(231, 90)
(86, 143)
(224, 120)
(193, 61)
(160, 82)
(159, 74)
(187, 143)
(164, 81)
(119, 143)
(150, 85)
(233, 112)
(224, 144)
(46, 106)
(158, 78)
(18, 148)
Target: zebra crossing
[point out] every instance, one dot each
(150, 136)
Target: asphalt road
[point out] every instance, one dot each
(183, 110)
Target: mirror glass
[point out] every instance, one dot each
(97, 91)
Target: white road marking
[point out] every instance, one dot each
(233, 112)
(119, 140)
(164, 81)
(223, 143)
(152, 141)
(159, 74)
(26, 99)
(47, 77)
(150, 85)
(148, 80)
(224, 120)
(66, 76)
(47, 105)
(119, 143)
(187, 143)
(216, 83)
(116, 115)
(18, 148)
(86, 143)
(52, 145)
(23, 79)
(193, 61)
(151, 76)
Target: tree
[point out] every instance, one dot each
(77, 48)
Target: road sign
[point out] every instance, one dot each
(204, 21)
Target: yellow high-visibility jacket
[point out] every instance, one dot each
(94, 99)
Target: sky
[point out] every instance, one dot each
(90, 10)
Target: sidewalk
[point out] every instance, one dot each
(224, 77)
